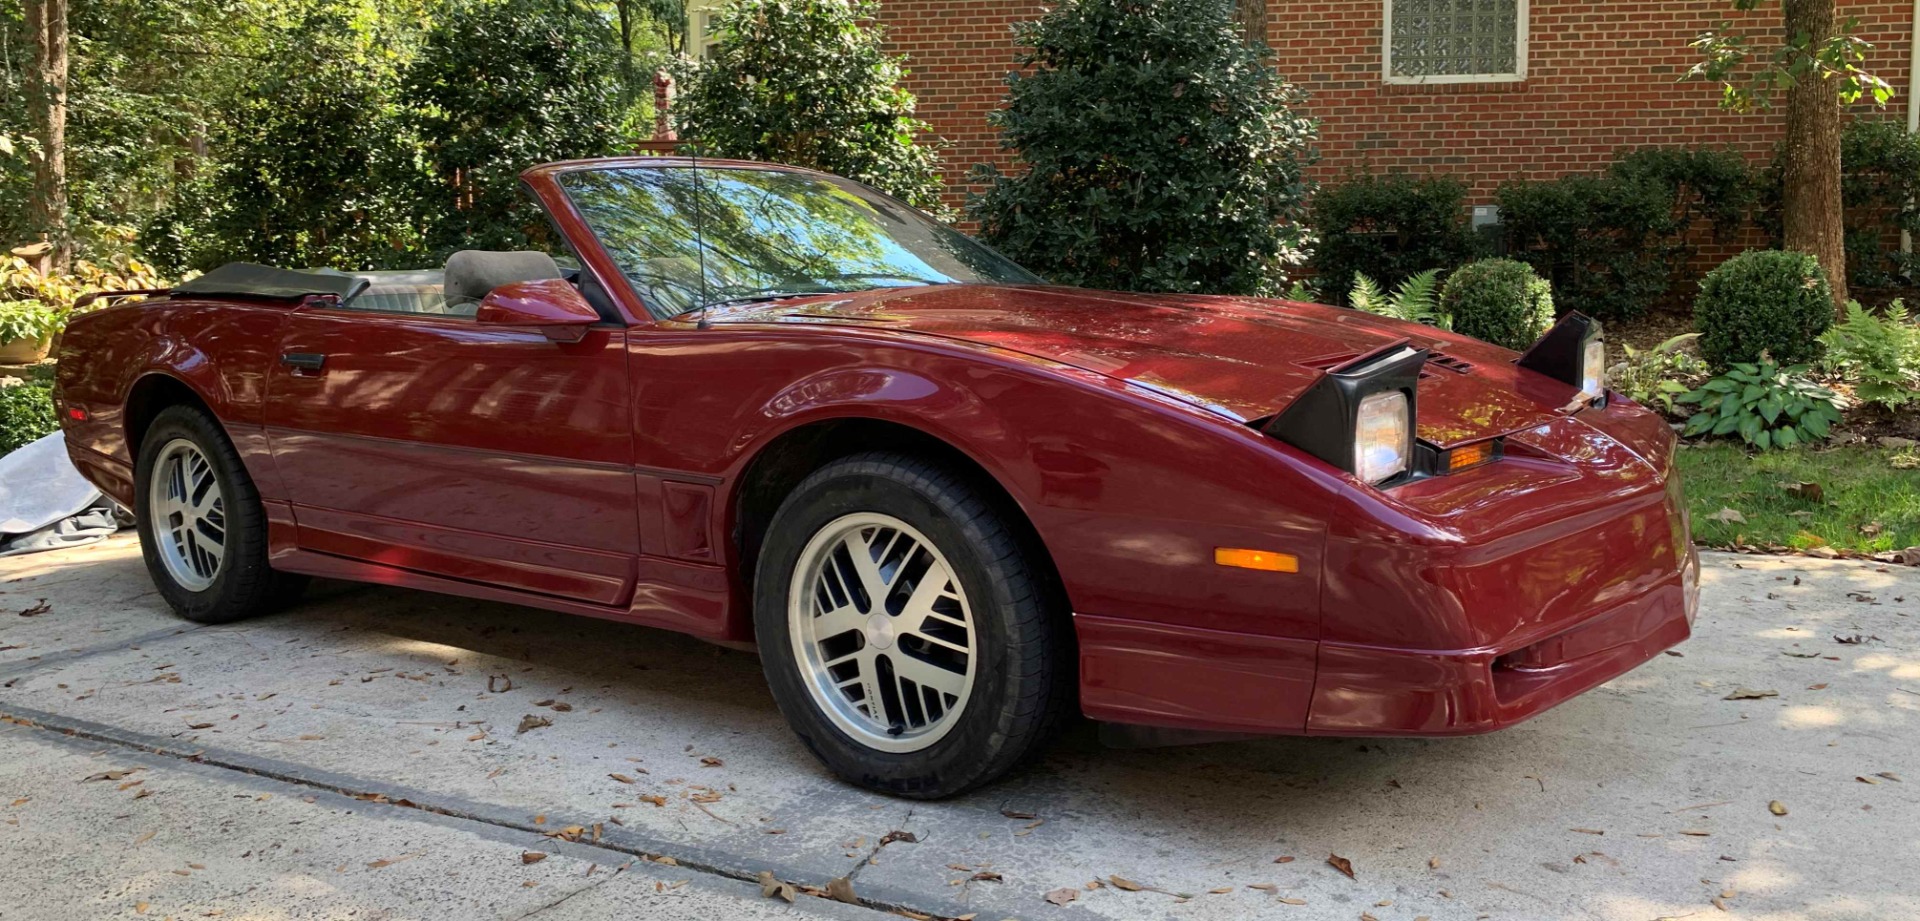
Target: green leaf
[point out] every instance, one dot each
(1763, 439)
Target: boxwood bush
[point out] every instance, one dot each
(1763, 303)
(26, 414)
(1499, 300)
(1389, 227)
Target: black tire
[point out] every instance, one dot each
(1024, 679)
(244, 585)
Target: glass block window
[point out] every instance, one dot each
(1456, 40)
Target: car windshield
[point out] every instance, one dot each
(762, 234)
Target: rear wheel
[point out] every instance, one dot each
(909, 637)
(202, 530)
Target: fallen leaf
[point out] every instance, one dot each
(905, 837)
(1746, 693)
(562, 707)
(531, 722)
(1222, 890)
(711, 761)
(621, 777)
(108, 775)
(1342, 864)
(1695, 832)
(532, 857)
(1287, 859)
(313, 737)
(1063, 895)
(1817, 687)
(1727, 515)
(1588, 831)
(1777, 807)
(840, 889)
(1267, 888)
(986, 876)
(1123, 883)
(1807, 490)
(199, 725)
(1890, 776)
(140, 908)
(39, 608)
(1292, 901)
(1433, 863)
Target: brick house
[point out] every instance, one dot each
(1485, 90)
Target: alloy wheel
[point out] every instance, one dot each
(188, 515)
(882, 632)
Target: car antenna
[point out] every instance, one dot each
(699, 234)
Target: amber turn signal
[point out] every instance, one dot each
(1265, 560)
(1469, 456)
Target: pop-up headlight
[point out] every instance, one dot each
(1573, 352)
(1359, 416)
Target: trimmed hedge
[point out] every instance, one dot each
(1603, 242)
(1763, 303)
(1389, 227)
(1500, 301)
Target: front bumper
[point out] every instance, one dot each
(1367, 690)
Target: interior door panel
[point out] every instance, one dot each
(482, 453)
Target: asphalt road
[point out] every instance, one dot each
(368, 756)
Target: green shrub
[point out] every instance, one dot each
(1159, 152)
(1500, 301)
(1655, 376)
(497, 86)
(1717, 188)
(1880, 356)
(26, 414)
(1763, 303)
(1391, 227)
(1767, 405)
(1604, 242)
(1413, 300)
(806, 82)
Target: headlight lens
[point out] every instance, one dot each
(1593, 369)
(1383, 441)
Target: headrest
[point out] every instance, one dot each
(471, 273)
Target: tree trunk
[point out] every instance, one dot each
(47, 114)
(1810, 174)
(1251, 15)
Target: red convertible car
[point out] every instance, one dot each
(949, 503)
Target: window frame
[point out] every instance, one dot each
(1522, 18)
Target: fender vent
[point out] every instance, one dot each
(1443, 360)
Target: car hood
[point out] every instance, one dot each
(1243, 358)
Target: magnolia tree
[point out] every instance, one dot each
(806, 82)
(1157, 151)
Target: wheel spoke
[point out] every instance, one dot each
(927, 674)
(932, 587)
(866, 567)
(188, 515)
(840, 620)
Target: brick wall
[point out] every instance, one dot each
(1601, 75)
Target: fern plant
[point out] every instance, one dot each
(1766, 405)
(1880, 356)
(1416, 300)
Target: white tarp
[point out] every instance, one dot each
(44, 502)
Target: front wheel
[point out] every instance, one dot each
(908, 634)
(202, 530)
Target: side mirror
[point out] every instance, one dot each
(551, 304)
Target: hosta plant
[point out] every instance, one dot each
(1766, 405)
(1655, 376)
(1416, 300)
(1880, 356)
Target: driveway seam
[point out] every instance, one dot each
(625, 841)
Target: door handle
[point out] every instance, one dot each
(303, 361)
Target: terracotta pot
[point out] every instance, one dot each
(24, 351)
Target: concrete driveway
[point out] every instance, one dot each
(370, 755)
